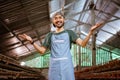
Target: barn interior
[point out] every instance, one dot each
(19, 60)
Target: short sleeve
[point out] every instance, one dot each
(47, 41)
(73, 36)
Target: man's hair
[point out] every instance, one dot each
(58, 13)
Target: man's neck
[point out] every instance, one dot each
(59, 30)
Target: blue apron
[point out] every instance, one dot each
(61, 66)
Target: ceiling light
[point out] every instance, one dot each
(22, 63)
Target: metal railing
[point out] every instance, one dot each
(81, 57)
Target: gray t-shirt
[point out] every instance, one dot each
(47, 42)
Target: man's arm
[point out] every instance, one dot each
(85, 41)
(40, 49)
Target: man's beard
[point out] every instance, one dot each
(58, 26)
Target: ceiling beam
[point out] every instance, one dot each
(13, 33)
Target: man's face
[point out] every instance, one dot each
(58, 21)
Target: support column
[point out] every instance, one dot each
(92, 7)
(79, 54)
(94, 49)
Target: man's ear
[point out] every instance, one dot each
(65, 19)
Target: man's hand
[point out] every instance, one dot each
(96, 26)
(26, 37)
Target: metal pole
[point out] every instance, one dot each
(94, 34)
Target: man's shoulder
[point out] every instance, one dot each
(70, 31)
(49, 34)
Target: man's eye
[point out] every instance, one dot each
(55, 18)
(60, 17)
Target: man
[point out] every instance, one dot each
(59, 42)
